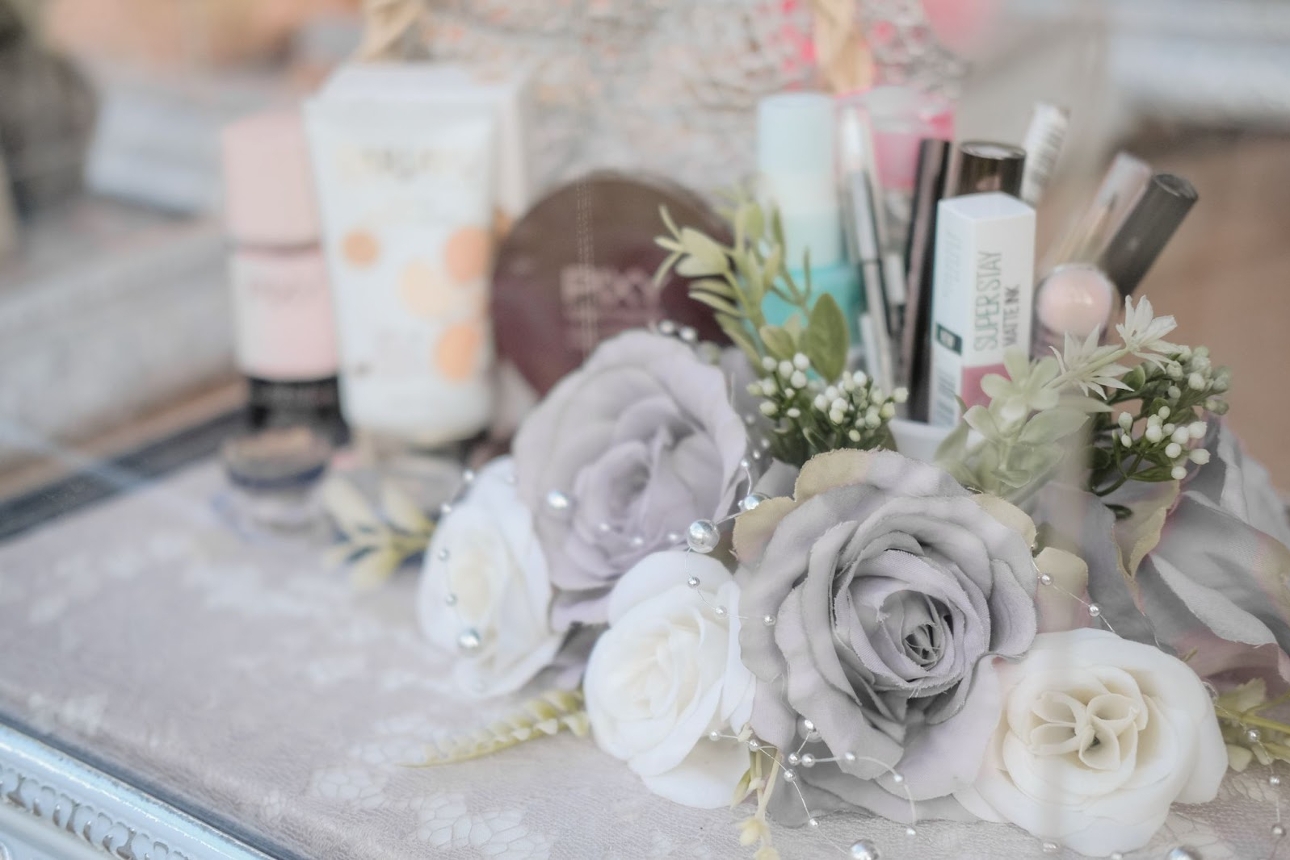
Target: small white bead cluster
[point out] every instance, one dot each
(847, 412)
(1176, 442)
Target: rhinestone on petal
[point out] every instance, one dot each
(768, 620)
(469, 640)
(450, 600)
(1274, 780)
(693, 582)
(1278, 830)
(911, 832)
(1252, 735)
(1051, 847)
(557, 501)
(1094, 610)
(849, 757)
(702, 536)
(1045, 579)
(864, 849)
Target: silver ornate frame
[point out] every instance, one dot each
(54, 807)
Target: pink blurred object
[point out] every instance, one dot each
(269, 191)
(961, 25)
(899, 118)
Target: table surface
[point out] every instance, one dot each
(245, 683)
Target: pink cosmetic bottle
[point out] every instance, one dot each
(285, 330)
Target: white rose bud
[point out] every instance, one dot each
(767, 362)
(1197, 429)
(1178, 473)
(786, 368)
(794, 412)
(801, 362)
(768, 409)
(1199, 456)
(1125, 420)
(888, 411)
(1196, 382)
(900, 395)
(798, 379)
(1154, 433)
(1173, 450)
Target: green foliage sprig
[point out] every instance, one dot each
(371, 545)
(1025, 433)
(549, 714)
(815, 404)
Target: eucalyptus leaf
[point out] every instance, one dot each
(705, 256)
(668, 222)
(715, 286)
(825, 341)
(1052, 425)
(778, 341)
(715, 302)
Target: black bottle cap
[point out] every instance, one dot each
(982, 165)
(1146, 230)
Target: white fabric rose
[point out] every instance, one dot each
(666, 673)
(485, 594)
(1098, 737)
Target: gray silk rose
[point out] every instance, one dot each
(879, 592)
(622, 455)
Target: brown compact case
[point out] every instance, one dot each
(579, 268)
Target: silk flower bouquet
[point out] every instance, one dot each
(720, 565)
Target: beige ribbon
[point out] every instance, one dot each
(394, 27)
(841, 49)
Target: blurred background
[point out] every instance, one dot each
(117, 322)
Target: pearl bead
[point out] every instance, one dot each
(863, 849)
(468, 476)
(693, 582)
(1050, 847)
(1116, 855)
(714, 735)
(557, 501)
(702, 536)
(1274, 780)
(442, 554)
(689, 335)
(756, 456)
(1278, 830)
(812, 822)
(1183, 852)
(754, 744)
(1045, 579)
(808, 760)
(805, 726)
(745, 464)
(721, 611)
(751, 501)
(450, 600)
(604, 528)
(768, 620)
(911, 832)
(666, 327)
(794, 759)
(445, 509)
(1094, 610)
(750, 420)
(897, 778)
(789, 775)
(469, 640)
(637, 542)
(1252, 735)
(849, 757)
(673, 538)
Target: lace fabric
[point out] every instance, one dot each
(247, 682)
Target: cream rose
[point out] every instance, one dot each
(667, 673)
(485, 595)
(1098, 737)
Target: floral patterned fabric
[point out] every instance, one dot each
(250, 684)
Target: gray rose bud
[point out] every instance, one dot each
(622, 455)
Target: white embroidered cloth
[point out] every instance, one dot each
(251, 685)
